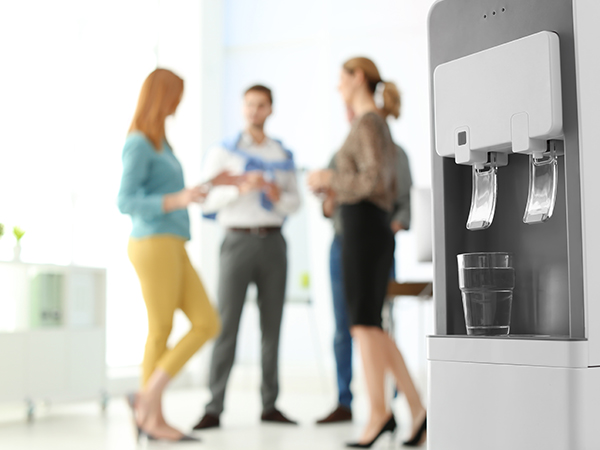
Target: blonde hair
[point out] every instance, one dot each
(391, 94)
(159, 97)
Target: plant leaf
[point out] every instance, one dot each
(18, 232)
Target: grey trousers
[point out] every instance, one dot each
(247, 258)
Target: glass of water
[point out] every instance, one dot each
(486, 281)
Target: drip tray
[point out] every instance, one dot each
(526, 350)
(541, 337)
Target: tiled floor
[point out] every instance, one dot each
(83, 427)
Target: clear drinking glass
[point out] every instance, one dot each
(486, 281)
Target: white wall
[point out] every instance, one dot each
(67, 107)
(297, 48)
(72, 75)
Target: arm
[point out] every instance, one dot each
(329, 203)
(136, 166)
(361, 182)
(401, 212)
(401, 215)
(219, 196)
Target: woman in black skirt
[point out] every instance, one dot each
(364, 187)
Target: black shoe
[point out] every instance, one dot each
(340, 414)
(208, 421)
(389, 426)
(415, 441)
(275, 416)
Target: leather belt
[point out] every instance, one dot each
(257, 231)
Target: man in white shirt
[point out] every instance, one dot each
(254, 250)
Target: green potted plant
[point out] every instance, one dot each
(18, 232)
(1, 230)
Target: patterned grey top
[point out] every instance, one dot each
(366, 164)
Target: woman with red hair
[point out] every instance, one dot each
(154, 195)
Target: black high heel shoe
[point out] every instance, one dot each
(389, 426)
(415, 441)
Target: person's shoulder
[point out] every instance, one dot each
(372, 116)
(280, 147)
(137, 142)
(371, 120)
(137, 137)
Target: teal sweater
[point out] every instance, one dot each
(147, 176)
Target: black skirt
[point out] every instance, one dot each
(367, 258)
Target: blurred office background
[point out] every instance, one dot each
(71, 74)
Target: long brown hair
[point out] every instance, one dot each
(159, 97)
(391, 94)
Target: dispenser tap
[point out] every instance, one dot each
(484, 191)
(543, 182)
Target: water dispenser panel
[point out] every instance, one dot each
(501, 99)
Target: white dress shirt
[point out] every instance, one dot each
(245, 211)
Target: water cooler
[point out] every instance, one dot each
(515, 98)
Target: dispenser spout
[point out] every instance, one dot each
(483, 198)
(484, 192)
(543, 182)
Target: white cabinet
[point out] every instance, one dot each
(13, 354)
(86, 372)
(52, 332)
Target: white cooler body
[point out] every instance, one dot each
(540, 387)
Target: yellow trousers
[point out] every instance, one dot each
(169, 282)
